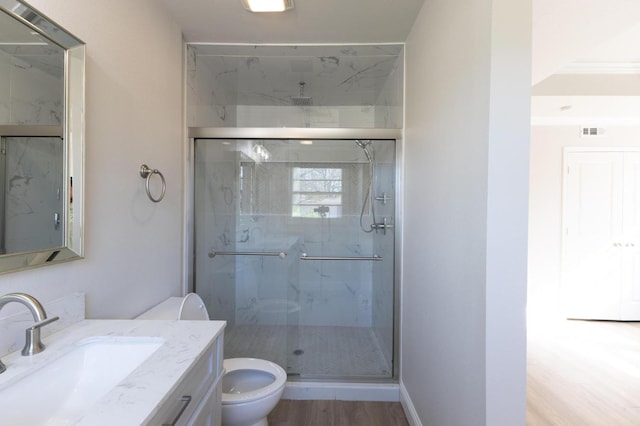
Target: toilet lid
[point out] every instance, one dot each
(193, 308)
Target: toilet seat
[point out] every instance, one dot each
(261, 365)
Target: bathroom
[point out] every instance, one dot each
(135, 254)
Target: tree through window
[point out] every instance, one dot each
(316, 192)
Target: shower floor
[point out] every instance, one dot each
(311, 351)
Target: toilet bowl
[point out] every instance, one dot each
(251, 387)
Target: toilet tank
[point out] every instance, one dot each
(189, 307)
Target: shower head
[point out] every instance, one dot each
(301, 100)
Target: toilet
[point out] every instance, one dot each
(251, 387)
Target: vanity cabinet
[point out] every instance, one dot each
(197, 398)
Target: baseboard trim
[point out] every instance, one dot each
(389, 392)
(407, 406)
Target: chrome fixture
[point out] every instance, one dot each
(267, 5)
(368, 196)
(301, 100)
(384, 225)
(146, 173)
(280, 254)
(33, 345)
(384, 198)
(304, 256)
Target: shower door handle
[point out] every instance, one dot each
(280, 254)
(375, 257)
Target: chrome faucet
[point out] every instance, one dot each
(33, 344)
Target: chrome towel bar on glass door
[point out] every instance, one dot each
(375, 257)
(280, 254)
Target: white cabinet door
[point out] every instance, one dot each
(592, 264)
(601, 263)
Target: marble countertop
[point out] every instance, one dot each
(140, 394)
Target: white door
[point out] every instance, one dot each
(601, 263)
(630, 241)
(592, 226)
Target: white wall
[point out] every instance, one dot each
(463, 350)
(133, 115)
(545, 206)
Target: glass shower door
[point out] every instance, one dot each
(294, 248)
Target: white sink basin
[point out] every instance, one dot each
(65, 388)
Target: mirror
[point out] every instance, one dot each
(41, 140)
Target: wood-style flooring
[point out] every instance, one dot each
(579, 373)
(583, 373)
(337, 413)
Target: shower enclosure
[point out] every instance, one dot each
(31, 201)
(294, 246)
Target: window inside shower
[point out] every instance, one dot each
(294, 248)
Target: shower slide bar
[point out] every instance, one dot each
(375, 257)
(280, 254)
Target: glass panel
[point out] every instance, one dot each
(33, 210)
(358, 86)
(321, 319)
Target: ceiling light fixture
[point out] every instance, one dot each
(267, 5)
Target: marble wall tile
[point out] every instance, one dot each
(215, 207)
(29, 95)
(383, 272)
(34, 170)
(298, 51)
(389, 110)
(310, 116)
(5, 88)
(209, 102)
(271, 291)
(349, 86)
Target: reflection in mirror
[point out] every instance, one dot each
(41, 140)
(32, 170)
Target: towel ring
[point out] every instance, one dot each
(146, 174)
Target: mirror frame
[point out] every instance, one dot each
(72, 134)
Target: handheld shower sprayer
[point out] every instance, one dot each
(368, 197)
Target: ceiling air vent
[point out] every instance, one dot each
(590, 132)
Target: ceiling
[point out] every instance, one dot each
(310, 21)
(563, 31)
(583, 30)
(578, 37)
